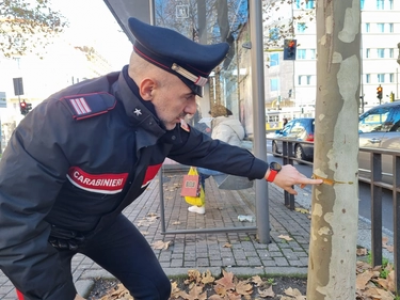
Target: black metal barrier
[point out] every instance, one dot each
(377, 184)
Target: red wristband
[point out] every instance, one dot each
(271, 176)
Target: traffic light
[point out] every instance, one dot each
(25, 107)
(379, 90)
(289, 50)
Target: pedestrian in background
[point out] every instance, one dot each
(84, 154)
(226, 128)
(285, 121)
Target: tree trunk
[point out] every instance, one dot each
(333, 238)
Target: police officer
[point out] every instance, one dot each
(84, 154)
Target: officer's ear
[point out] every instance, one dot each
(147, 88)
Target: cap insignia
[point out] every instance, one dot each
(137, 112)
(198, 80)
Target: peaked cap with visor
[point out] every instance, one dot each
(173, 52)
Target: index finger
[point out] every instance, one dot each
(305, 181)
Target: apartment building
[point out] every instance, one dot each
(294, 82)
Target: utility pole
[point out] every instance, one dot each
(333, 237)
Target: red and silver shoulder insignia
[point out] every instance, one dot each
(80, 106)
(85, 106)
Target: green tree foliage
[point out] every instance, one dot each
(27, 26)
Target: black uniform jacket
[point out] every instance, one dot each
(76, 161)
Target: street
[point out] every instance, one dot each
(364, 193)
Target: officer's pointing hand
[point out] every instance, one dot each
(290, 176)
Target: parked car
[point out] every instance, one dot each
(379, 128)
(301, 129)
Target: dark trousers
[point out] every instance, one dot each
(123, 251)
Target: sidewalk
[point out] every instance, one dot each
(239, 253)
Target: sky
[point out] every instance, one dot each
(92, 24)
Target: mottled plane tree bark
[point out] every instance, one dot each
(333, 238)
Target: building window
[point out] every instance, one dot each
(274, 34)
(274, 84)
(311, 54)
(310, 4)
(306, 80)
(362, 4)
(367, 29)
(301, 53)
(391, 27)
(381, 78)
(306, 54)
(380, 27)
(274, 59)
(380, 4)
(391, 52)
(301, 27)
(367, 53)
(391, 77)
(390, 4)
(367, 78)
(380, 53)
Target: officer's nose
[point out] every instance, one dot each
(191, 107)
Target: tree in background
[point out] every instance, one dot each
(279, 19)
(333, 236)
(25, 26)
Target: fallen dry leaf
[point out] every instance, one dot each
(161, 245)
(385, 245)
(227, 280)
(207, 277)
(257, 280)
(391, 284)
(220, 290)
(285, 237)
(215, 297)
(194, 276)
(176, 223)
(245, 289)
(385, 295)
(363, 278)
(233, 295)
(266, 292)
(227, 245)
(196, 293)
(361, 252)
(175, 290)
(118, 292)
(295, 293)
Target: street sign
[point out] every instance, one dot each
(3, 102)
(18, 86)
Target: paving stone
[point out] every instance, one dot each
(281, 261)
(276, 254)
